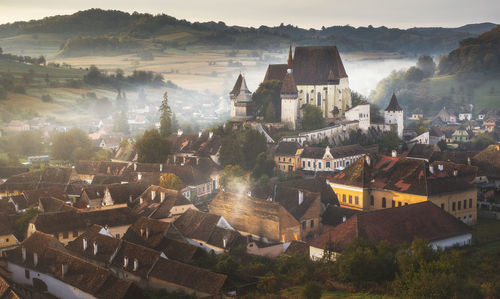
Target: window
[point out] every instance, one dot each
(350, 199)
(372, 201)
(356, 200)
(307, 98)
(453, 206)
(27, 273)
(65, 235)
(117, 236)
(290, 160)
(308, 163)
(303, 164)
(399, 203)
(312, 223)
(470, 203)
(56, 236)
(383, 202)
(347, 164)
(393, 203)
(459, 205)
(319, 165)
(343, 197)
(327, 164)
(442, 206)
(75, 234)
(318, 100)
(304, 225)
(465, 203)
(406, 203)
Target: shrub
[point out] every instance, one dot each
(47, 98)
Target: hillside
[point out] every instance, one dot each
(468, 75)
(101, 29)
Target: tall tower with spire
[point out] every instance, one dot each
(393, 115)
(241, 101)
(289, 102)
(290, 58)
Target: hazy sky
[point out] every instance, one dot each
(305, 13)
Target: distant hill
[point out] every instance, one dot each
(159, 31)
(468, 75)
(475, 54)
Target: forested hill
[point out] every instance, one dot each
(153, 28)
(477, 54)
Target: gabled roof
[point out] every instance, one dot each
(33, 196)
(288, 198)
(275, 72)
(52, 204)
(146, 258)
(393, 104)
(334, 215)
(100, 167)
(7, 172)
(106, 246)
(149, 232)
(287, 148)
(205, 227)
(237, 86)
(189, 276)
(201, 146)
(422, 151)
(397, 225)
(312, 65)
(155, 207)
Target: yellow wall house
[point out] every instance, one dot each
(7, 238)
(286, 156)
(398, 181)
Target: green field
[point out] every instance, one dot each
(486, 234)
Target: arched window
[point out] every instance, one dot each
(318, 99)
(307, 98)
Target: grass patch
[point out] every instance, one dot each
(487, 234)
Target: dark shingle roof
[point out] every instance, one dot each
(333, 215)
(289, 87)
(275, 72)
(312, 65)
(397, 225)
(393, 104)
(287, 148)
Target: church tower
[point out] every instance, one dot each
(241, 101)
(289, 102)
(393, 115)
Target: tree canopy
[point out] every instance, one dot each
(165, 117)
(313, 118)
(71, 146)
(152, 148)
(171, 181)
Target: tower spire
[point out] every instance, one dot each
(290, 59)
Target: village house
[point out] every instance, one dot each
(108, 195)
(488, 161)
(86, 170)
(18, 126)
(7, 172)
(360, 113)
(43, 263)
(7, 238)
(148, 268)
(416, 114)
(275, 250)
(446, 116)
(462, 135)
(202, 145)
(65, 226)
(396, 181)
(286, 156)
(399, 225)
(208, 231)
(162, 204)
(318, 159)
(435, 135)
(291, 214)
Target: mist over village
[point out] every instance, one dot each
(213, 149)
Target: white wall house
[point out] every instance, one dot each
(360, 113)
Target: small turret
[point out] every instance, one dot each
(290, 59)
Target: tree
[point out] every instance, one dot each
(120, 123)
(165, 117)
(175, 123)
(26, 143)
(443, 146)
(230, 151)
(313, 118)
(427, 65)
(264, 166)
(71, 145)
(152, 147)
(270, 115)
(311, 290)
(357, 98)
(252, 145)
(171, 181)
(389, 141)
(102, 155)
(482, 141)
(268, 92)
(22, 221)
(233, 178)
(414, 74)
(421, 128)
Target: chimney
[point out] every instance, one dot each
(199, 134)
(431, 169)
(35, 258)
(179, 132)
(175, 158)
(135, 166)
(95, 248)
(344, 218)
(161, 167)
(468, 161)
(183, 159)
(147, 232)
(197, 160)
(394, 153)
(64, 270)
(301, 197)
(130, 198)
(327, 181)
(440, 167)
(141, 200)
(23, 251)
(125, 262)
(84, 241)
(210, 135)
(224, 242)
(455, 172)
(367, 159)
(136, 264)
(153, 194)
(162, 196)
(139, 176)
